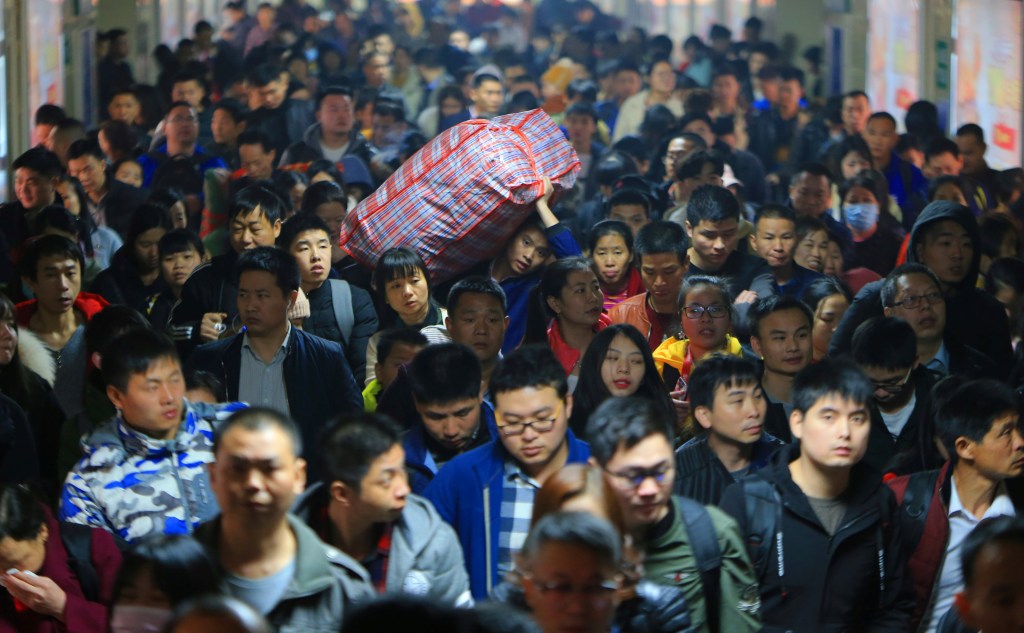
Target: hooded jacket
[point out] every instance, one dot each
(211, 287)
(854, 580)
(425, 557)
(973, 317)
(135, 486)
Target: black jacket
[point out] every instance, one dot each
(701, 476)
(283, 125)
(317, 379)
(210, 288)
(322, 323)
(882, 448)
(19, 462)
(120, 203)
(120, 284)
(308, 149)
(973, 317)
(828, 583)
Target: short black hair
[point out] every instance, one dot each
(353, 442)
(49, 114)
(480, 78)
(772, 211)
(528, 366)
(812, 169)
(323, 192)
(297, 225)
(271, 260)
(693, 165)
(48, 246)
(202, 379)
(882, 116)
(661, 237)
(970, 409)
(232, 107)
(830, 377)
(333, 90)
(398, 336)
(624, 423)
(85, 147)
(257, 419)
(477, 285)
(890, 287)
(133, 352)
(630, 197)
(586, 90)
(775, 303)
(791, 73)
(445, 373)
(21, 514)
(255, 136)
(634, 147)
(887, 343)
(972, 129)
(40, 160)
(713, 204)
(581, 108)
(178, 566)
(611, 227)
(716, 370)
(109, 323)
(1001, 529)
(396, 263)
(386, 106)
(941, 146)
(256, 197)
(822, 288)
(263, 74)
(180, 241)
(612, 166)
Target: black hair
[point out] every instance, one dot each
(582, 529)
(855, 143)
(397, 611)
(882, 116)
(232, 107)
(1006, 272)
(445, 373)
(938, 183)
(85, 147)
(582, 108)
(873, 181)
(396, 263)
(585, 89)
(353, 442)
(822, 288)
(972, 129)
(480, 78)
(890, 287)
(49, 114)
(630, 197)
(791, 73)
(257, 197)
(993, 229)
(591, 389)
(941, 146)
(21, 514)
(612, 166)
(180, 241)
(805, 225)
(772, 211)
(271, 260)
(40, 160)
(830, 377)
(693, 165)
(333, 90)
(177, 565)
(634, 147)
(255, 136)
(110, 323)
(775, 303)
(887, 343)
(522, 101)
(611, 227)
(384, 106)
(120, 136)
(478, 285)
(296, 225)
(624, 423)
(812, 169)
(147, 216)
(397, 336)
(263, 74)
(908, 142)
(712, 204)
(528, 366)
(322, 192)
(717, 370)
(133, 352)
(258, 419)
(661, 237)
(697, 115)
(202, 379)
(54, 216)
(1000, 529)
(970, 410)
(49, 246)
(553, 281)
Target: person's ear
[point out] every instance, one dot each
(300, 476)
(554, 304)
(448, 323)
(755, 345)
(753, 241)
(340, 492)
(115, 396)
(277, 228)
(703, 417)
(97, 360)
(568, 406)
(592, 462)
(293, 296)
(887, 312)
(44, 533)
(964, 448)
(917, 363)
(689, 230)
(796, 424)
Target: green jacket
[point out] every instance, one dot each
(326, 584)
(669, 560)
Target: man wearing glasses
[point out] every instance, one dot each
(632, 443)
(886, 350)
(913, 293)
(487, 493)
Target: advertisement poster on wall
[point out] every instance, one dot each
(894, 42)
(988, 75)
(46, 55)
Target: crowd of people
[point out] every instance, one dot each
(759, 369)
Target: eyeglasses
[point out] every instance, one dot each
(891, 387)
(696, 311)
(597, 595)
(540, 425)
(911, 303)
(636, 477)
(181, 120)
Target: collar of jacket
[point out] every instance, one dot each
(138, 443)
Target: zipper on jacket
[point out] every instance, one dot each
(487, 536)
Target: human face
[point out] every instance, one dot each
(386, 369)
(147, 255)
(8, 340)
(833, 432)
(725, 90)
(855, 113)
(256, 475)
(581, 128)
(662, 78)
(487, 97)
(811, 251)
(130, 173)
(265, 18)
(124, 107)
(377, 70)
(611, 258)
(646, 504)
(972, 151)
(478, 322)
(1000, 453)
(451, 424)
(675, 152)
(662, 274)
(928, 320)
(950, 191)
(713, 242)
(810, 195)
(450, 107)
(312, 251)
(635, 215)
(89, 171)
(834, 262)
(826, 319)
(336, 114)
(33, 190)
(409, 296)
(994, 602)
(784, 342)
(57, 283)
(736, 414)
(536, 451)
(892, 386)
(262, 305)
(623, 367)
(774, 241)
(176, 267)
(527, 251)
(703, 130)
(189, 91)
(853, 163)
(947, 251)
(459, 40)
(944, 164)
(881, 138)
(224, 128)
(569, 588)
(253, 229)
(272, 95)
(258, 163)
(182, 126)
(580, 302)
(706, 332)
(790, 93)
(626, 84)
(27, 555)
(386, 130)
(153, 400)
(384, 489)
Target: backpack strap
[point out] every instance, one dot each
(77, 540)
(763, 508)
(707, 553)
(341, 299)
(917, 500)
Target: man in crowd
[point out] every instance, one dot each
(110, 202)
(487, 96)
(283, 119)
(970, 138)
(991, 559)
(780, 333)
(906, 182)
(256, 154)
(334, 134)
(36, 173)
(395, 347)
(181, 130)
(191, 89)
(774, 240)
(810, 195)
(696, 170)
(226, 124)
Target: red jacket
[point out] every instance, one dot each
(81, 615)
(634, 312)
(86, 302)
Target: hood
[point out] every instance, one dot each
(946, 210)
(86, 302)
(35, 357)
(418, 525)
(864, 480)
(672, 351)
(114, 437)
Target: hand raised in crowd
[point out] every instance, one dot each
(212, 325)
(299, 310)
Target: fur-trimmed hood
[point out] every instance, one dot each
(35, 356)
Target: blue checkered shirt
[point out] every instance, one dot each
(517, 492)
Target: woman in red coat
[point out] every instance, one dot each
(46, 588)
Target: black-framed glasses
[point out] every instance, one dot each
(635, 477)
(696, 311)
(596, 594)
(540, 425)
(893, 387)
(912, 302)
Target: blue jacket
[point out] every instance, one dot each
(418, 459)
(317, 379)
(467, 493)
(152, 160)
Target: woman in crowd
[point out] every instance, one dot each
(1000, 237)
(661, 82)
(829, 299)
(877, 236)
(98, 242)
(811, 250)
(948, 188)
(172, 199)
(134, 278)
(451, 100)
(611, 250)
(117, 141)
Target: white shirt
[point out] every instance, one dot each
(961, 522)
(896, 421)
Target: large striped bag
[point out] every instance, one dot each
(461, 197)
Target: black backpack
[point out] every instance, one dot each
(704, 545)
(177, 171)
(77, 540)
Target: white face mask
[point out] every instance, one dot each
(133, 619)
